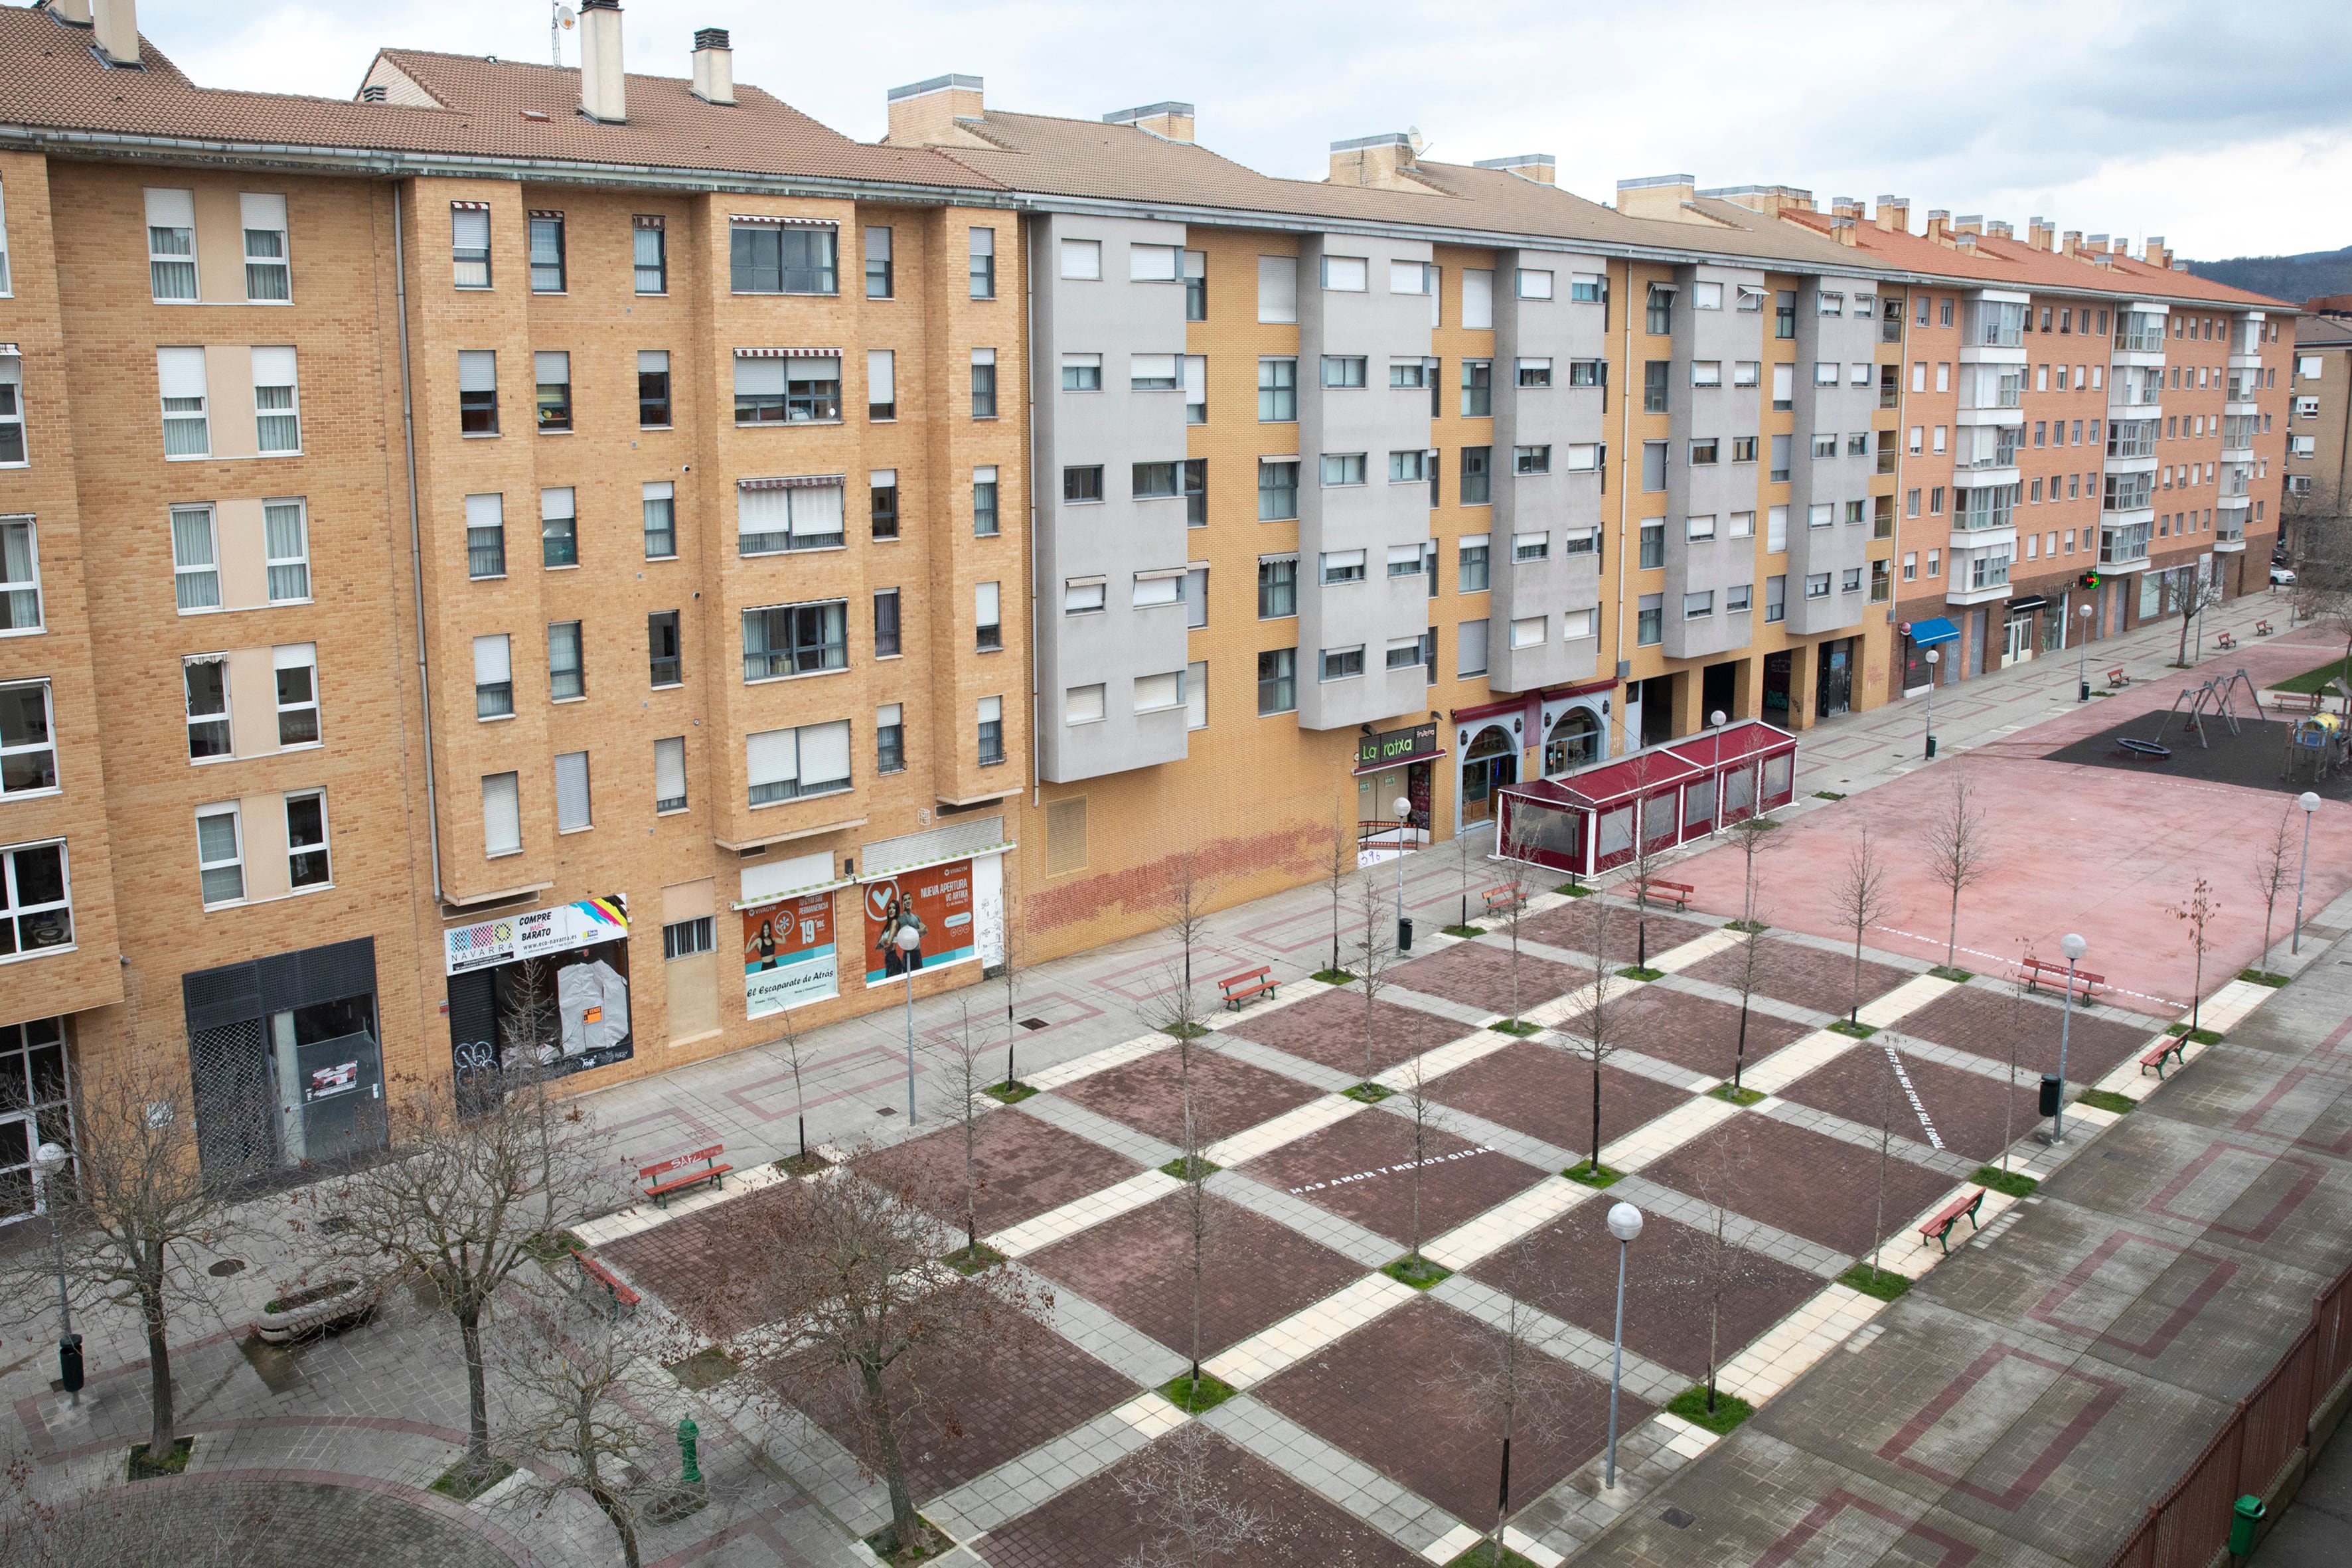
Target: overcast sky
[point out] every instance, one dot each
(2225, 128)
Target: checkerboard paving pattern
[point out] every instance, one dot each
(1357, 1422)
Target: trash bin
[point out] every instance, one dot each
(2051, 1085)
(1404, 933)
(69, 1371)
(2249, 1518)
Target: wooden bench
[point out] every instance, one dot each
(1680, 892)
(2264, 628)
(620, 1295)
(2037, 969)
(665, 1183)
(1939, 1228)
(2171, 1047)
(2224, 641)
(1504, 900)
(2116, 676)
(2292, 701)
(1238, 989)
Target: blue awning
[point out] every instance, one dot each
(1934, 630)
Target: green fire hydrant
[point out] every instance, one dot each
(2249, 1517)
(688, 1432)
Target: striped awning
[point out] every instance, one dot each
(787, 353)
(771, 219)
(546, 212)
(471, 207)
(794, 482)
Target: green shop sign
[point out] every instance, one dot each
(1397, 747)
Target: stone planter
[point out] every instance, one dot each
(319, 1309)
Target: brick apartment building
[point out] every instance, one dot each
(2319, 422)
(611, 533)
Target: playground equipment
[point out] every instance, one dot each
(2213, 698)
(2317, 744)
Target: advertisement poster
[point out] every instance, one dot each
(936, 904)
(789, 956)
(536, 934)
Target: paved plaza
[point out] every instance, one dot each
(2021, 1404)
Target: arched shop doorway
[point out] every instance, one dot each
(1491, 762)
(1574, 741)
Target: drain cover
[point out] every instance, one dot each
(886, 1111)
(226, 1267)
(1678, 1518)
(1033, 1022)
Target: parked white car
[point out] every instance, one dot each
(2282, 576)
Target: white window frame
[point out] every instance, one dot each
(205, 571)
(287, 565)
(505, 792)
(235, 862)
(11, 911)
(1080, 260)
(294, 852)
(199, 416)
(12, 588)
(172, 205)
(297, 656)
(11, 379)
(30, 749)
(270, 210)
(563, 763)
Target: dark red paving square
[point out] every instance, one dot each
(1026, 1167)
(1094, 1525)
(965, 1418)
(1806, 1182)
(1361, 1169)
(1808, 976)
(1138, 1268)
(695, 1264)
(1478, 975)
(1984, 1022)
(1621, 929)
(1568, 1269)
(1228, 1096)
(1689, 1031)
(1965, 1106)
(1397, 1394)
(1330, 1029)
(1546, 1091)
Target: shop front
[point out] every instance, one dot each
(286, 1060)
(946, 886)
(2019, 642)
(550, 987)
(1393, 764)
(1833, 684)
(35, 1108)
(1918, 637)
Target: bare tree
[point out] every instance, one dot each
(1510, 1378)
(1186, 904)
(1426, 1121)
(2197, 911)
(964, 1080)
(2020, 993)
(2322, 580)
(1340, 863)
(1375, 947)
(1464, 856)
(1752, 835)
(1516, 885)
(1958, 846)
(135, 1211)
(1748, 978)
(1009, 971)
(463, 1200)
(1193, 1521)
(1196, 1212)
(529, 1023)
(2272, 873)
(1715, 1267)
(95, 1526)
(795, 1054)
(1597, 1042)
(848, 1258)
(1885, 1151)
(577, 1379)
(1861, 899)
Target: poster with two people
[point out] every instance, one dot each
(935, 903)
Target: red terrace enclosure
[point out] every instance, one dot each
(1583, 822)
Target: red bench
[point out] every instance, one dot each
(1246, 986)
(2116, 676)
(2264, 628)
(1939, 1228)
(2292, 701)
(619, 1293)
(2037, 969)
(1680, 892)
(2171, 1045)
(1504, 899)
(665, 1183)
(2224, 640)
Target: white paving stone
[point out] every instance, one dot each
(1794, 1060)
(1656, 1139)
(1288, 1128)
(1150, 1414)
(1908, 997)
(1452, 1544)
(1507, 1221)
(1529, 1547)
(1675, 960)
(1911, 1255)
(1689, 1441)
(1796, 1342)
(1083, 1213)
(1445, 1059)
(1305, 1332)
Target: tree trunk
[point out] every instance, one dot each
(159, 1365)
(1952, 938)
(1596, 1111)
(478, 1398)
(1714, 1327)
(615, 1510)
(905, 1527)
(1739, 1059)
(1853, 1014)
(1196, 1300)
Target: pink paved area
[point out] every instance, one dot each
(2093, 850)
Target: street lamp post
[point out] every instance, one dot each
(2083, 659)
(1624, 1224)
(48, 1162)
(1714, 722)
(908, 939)
(1934, 658)
(1402, 807)
(2310, 803)
(2074, 947)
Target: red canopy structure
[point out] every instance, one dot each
(1583, 822)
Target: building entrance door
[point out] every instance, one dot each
(1491, 762)
(1777, 668)
(1834, 689)
(2020, 641)
(16, 1146)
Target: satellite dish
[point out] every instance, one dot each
(1413, 136)
(566, 18)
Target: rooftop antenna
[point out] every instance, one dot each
(561, 20)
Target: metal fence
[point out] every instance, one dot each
(2190, 1524)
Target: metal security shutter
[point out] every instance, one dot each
(942, 843)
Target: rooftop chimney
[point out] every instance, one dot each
(76, 12)
(925, 112)
(2096, 243)
(1939, 220)
(602, 97)
(1770, 200)
(1381, 161)
(1540, 167)
(1845, 206)
(2154, 252)
(1845, 229)
(714, 66)
(1170, 120)
(2001, 228)
(1968, 223)
(2072, 242)
(1895, 213)
(2039, 233)
(116, 23)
